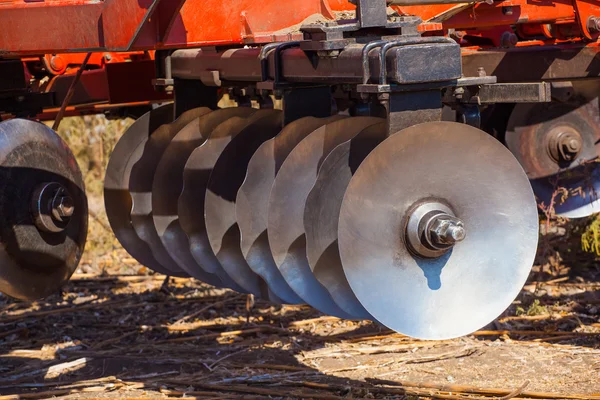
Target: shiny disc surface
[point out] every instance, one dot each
(475, 280)
(168, 184)
(253, 202)
(196, 175)
(140, 185)
(291, 187)
(117, 199)
(322, 211)
(219, 208)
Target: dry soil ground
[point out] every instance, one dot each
(111, 335)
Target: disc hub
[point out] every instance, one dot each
(564, 144)
(433, 229)
(52, 207)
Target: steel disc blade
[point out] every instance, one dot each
(252, 202)
(322, 211)
(39, 252)
(197, 171)
(117, 199)
(168, 184)
(529, 136)
(473, 282)
(219, 208)
(140, 184)
(285, 220)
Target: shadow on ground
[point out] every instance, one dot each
(124, 336)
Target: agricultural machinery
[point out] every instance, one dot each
(375, 159)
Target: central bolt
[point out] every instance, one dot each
(52, 207)
(569, 147)
(63, 207)
(446, 230)
(565, 144)
(433, 229)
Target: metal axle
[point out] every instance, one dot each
(52, 207)
(433, 229)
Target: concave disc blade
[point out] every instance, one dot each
(35, 263)
(140, 185)
(285, 219)
(117, 199)
(168, 184)
(528, 136)
(476, 280)
(196, 174)
(322, 212)
(252, 202)
(219, 206)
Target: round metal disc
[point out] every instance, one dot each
(528, 136)
(219, 207)
(322, 211)
(168, 184)
(34, 262)
(252, 202)
(140, 185)
(285, 220)
(461, 291)
(117, 199)
(196, 174)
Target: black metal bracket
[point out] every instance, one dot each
(164, 78)
(26, 104)
(278, 81)
(460, 82)
(190, 94)
(371, 17)
(385, 46)
(491, 93)
(371, 13)
(307, 102)
(405, 109)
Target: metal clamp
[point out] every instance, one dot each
(264, 64)
(278, 61)
(405, 42)
(264, 60)
(366, 66)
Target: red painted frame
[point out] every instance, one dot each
(51, 26)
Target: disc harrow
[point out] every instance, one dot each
(341, 162)
(322, 211)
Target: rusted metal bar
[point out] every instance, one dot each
(404, 64)
(543, 63)
(539, 63)
(69, 95)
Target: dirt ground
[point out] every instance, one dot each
(117, 333)
(111, 335)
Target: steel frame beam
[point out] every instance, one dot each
(561, 62)
(52, 26)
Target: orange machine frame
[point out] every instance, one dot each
(59, 26)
